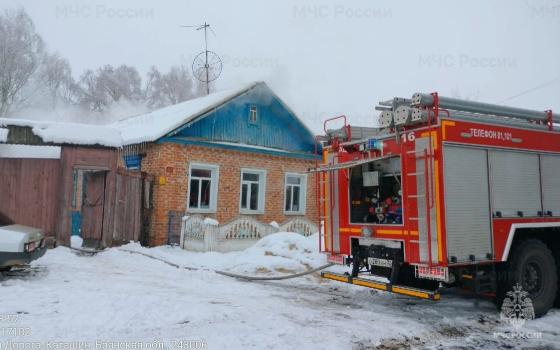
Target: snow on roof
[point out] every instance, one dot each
(3, 134)
(142, 128)
(73, 133)
(79, 134)
(151, 126)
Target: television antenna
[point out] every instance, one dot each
(207, 65)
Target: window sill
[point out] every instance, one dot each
(294, 213)
(251, 212)
(201, 211)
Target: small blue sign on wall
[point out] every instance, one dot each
(132, 162)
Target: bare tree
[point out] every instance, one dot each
(56, 76)
(92, 94)
(108, 84)
(154, 88)
(21, 51)
(200, 88)
(121, 82)
(32, 77)
(170, 88)
(178, 85)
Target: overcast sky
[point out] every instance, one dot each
(326, 58)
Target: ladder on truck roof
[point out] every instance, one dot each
(401, 112)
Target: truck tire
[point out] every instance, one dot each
(531, 265)
(356, 260)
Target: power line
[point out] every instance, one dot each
(538, 87)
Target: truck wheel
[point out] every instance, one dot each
(356, 260)
(533, 267)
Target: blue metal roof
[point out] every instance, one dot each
(256, 117)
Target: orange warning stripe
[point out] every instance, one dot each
(444, 125)
(369, 284)
(380, 231)
(404, 290)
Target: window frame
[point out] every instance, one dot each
(261, 201)
(303, 193)
(348, 181)
(214, 187)
(250, 120)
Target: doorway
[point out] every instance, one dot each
(88, 207)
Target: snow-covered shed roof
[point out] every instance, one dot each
(141, 128)
(3, 134)
(70, 133)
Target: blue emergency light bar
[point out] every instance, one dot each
(374, 144)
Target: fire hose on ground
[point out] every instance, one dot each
(223, 273)
(230, 274)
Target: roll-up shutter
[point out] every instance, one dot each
(515, 183)
(467, 203)
(550, 177)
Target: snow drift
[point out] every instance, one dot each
(275, 254)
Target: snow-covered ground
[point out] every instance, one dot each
(117, 296)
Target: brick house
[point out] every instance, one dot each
(231, 154)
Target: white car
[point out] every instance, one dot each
(19, 245)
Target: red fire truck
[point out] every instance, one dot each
(445, 192)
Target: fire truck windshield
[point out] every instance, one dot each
(375, 192)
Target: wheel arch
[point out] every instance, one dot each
(548, 232)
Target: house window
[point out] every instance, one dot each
(295, 193)
(203, 188)
(253, 116)
(253, 187)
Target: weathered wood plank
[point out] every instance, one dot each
(29, 190)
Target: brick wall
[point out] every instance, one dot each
(169, 163)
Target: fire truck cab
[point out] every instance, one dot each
(445, 192)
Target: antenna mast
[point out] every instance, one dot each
(206, 26)
(207, 65)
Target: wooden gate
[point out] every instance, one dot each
(93, 205)
(132, 200)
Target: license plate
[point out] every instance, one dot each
(380, 262)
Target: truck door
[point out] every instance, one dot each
(467, 203)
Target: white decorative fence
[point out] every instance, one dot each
(203, 235)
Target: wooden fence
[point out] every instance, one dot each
(109, 206)
(29, 192)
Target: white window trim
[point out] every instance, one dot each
(303, 194)
(262, 191)
(251, 121)
(215, 180)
